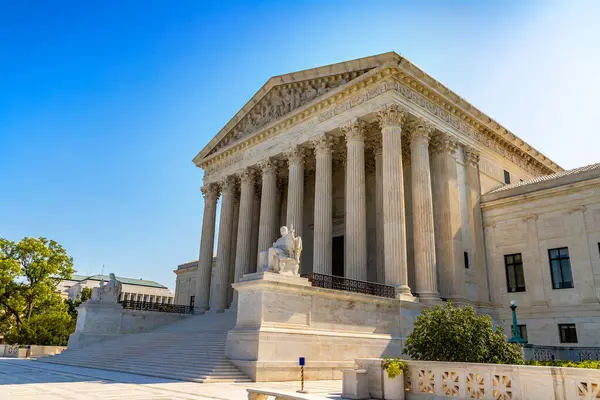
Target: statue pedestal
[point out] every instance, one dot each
(281, 318)
(96, 321)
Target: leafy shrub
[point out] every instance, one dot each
(561, 363)
(394, 366)
(448, 333)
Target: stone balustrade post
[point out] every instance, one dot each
(207, 242)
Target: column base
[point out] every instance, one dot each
(429, 297)
(403, 293)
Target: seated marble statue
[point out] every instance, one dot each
(108, 293)
(284, 257)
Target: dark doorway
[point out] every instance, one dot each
(338, 256)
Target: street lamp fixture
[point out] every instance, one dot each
(516, 335)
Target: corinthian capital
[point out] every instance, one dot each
(247, 175)
(390, 115)
(295, 155)
(419, 129)
(375, 142)
(444, 143)
(227, 184)
(324, 144)
(471, 156)
(210, 191)
(268, 166)
(355, 131)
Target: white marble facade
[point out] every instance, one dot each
(376, 165)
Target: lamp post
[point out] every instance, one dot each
(516, 335)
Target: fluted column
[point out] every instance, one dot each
(295, 194)
(244, 233)
(219, 288)
(255, 227)
(379, 236)
(322, 250)
(269, 210)
(233, 246)
(394, 228)
(422, 211)
(356, 214)
(446, 210)
(476, 221)
(207, 242)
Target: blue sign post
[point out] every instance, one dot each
(301, 362)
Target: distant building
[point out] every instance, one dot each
(132, 289)
(185, 285)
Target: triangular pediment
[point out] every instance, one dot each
(283, 94)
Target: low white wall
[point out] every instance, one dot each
(97, 322)
(36, 351)
(442, 380)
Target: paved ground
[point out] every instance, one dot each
(27, 379)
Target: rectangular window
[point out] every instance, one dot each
(568, 333)
(466, 260)
(506, 177)
(192, 299)
(515, 280)
(560, 268)
(522, 331)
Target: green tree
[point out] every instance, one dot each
(30, 309)
(448, 333)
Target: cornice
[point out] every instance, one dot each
(423, 91)
(540, 194)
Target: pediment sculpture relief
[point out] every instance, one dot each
(282, 100)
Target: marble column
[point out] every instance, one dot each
(219, 288)
(446, 209)
(234, 237)
(323, 223)
(269, 210)
(394, 225)
(207, 242)
(295, 194)
(356, 216)
(244, 233)
(255, 227)
(422, 211)
(379, 236)
(476, 221)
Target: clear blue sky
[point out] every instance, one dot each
(104, 104)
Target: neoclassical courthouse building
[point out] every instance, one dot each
(390, 177)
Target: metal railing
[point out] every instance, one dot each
(350, 285)
(160, 307)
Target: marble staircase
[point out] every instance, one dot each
(190, 350)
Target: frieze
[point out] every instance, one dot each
(488, 138)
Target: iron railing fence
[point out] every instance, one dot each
(160, 307)
(350, 285)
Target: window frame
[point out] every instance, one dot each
(506, 177)
(514, 265)
(560, 259)
(565, 339)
